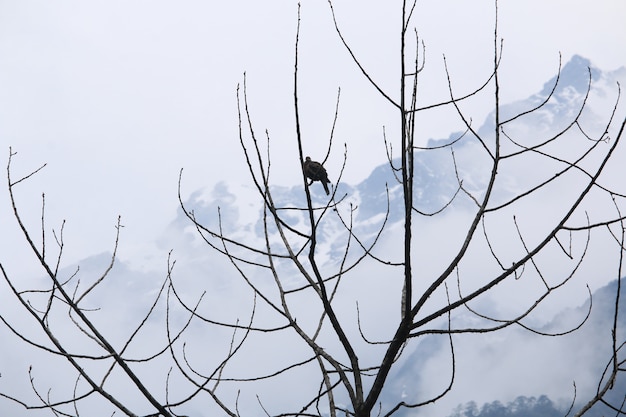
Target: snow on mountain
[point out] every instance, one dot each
(489, 367)
(435, 181)
(435, 185)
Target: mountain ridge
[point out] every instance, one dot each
(435, 183)
(237, 210)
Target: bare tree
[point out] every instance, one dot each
(341, 365)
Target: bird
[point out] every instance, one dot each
(316, 172)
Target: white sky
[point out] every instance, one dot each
(117, 96)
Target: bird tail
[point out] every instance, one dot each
(326, 187)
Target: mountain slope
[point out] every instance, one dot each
(435, 181)
(505, 365)
(511, 371)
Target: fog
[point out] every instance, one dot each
(117, 97)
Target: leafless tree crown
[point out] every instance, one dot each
(330, 344)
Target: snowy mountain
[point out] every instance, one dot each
(435, 185)
(506, 367)
(435, 182)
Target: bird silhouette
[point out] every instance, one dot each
(316, 172)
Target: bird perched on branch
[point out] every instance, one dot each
(316, 172)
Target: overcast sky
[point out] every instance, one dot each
(118, 96)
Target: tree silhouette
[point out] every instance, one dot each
(340, 364)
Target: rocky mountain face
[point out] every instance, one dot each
(378, 199)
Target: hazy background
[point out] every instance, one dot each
(117, 96)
